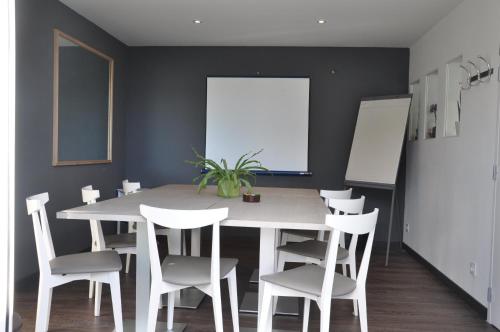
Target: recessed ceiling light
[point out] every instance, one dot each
(197, 21)
(321, 21)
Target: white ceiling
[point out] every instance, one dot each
(383, 23)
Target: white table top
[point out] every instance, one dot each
(279, 207)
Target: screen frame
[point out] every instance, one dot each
(308, 172)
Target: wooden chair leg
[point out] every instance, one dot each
(284, 238)
(217, 304)
(344, 269)
(184, 248)
(325, 317)
(154, 298)
(233, 299)
(352, 272)
(127, 263)
(363, 317)
(305, 321)
(43, 308)
(49, 306)
(265, 319)
(280, 268)
(91, 289)
(116, 300)
(170, 309)
(98, 295)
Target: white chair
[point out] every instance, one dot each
(128, 189)
(314, 251)
(321, 284)
(122, 243)
(179, 272)
(101, 266)
(299, 235)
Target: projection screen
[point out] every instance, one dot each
(252, 113)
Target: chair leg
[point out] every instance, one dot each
(49, 306)
(184, 248)
(344, 269)
(264, 318)
(160, 303)
(284, 238)
(280, 268)
(233, 299)
(305, 322)
(352, 272)
(217, 304)
(325, 317)
(43, 308)
(281, 261)
(127, 263)
(170, 310)
(363, 316)
(116, 299)
(98, 295)
(131, 229)
(91, 289)
(154, 298)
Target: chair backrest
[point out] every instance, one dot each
(183, 219)
(130, 187)
(335, 194)
(90, 196)
(45, 248)
(348, 206)
(350, 224)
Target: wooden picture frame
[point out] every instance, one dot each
(55, 128)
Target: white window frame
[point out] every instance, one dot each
(7, 148)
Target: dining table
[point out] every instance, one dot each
(279, 208)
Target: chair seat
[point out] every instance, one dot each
(123, 240)
(301, 232)
(88, 262)
(312, 248)
(191, 271)
(309, 279)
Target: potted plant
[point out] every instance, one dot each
(229, 181)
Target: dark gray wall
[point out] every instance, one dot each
(34, 173)
(166, 100)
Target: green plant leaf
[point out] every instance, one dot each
(244, 169)
(237, 165)
(247, 185)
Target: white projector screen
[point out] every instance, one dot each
(378, 140)
(251, 113)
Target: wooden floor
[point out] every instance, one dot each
(404, 297)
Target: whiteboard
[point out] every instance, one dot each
(378, 140)
(252, 113)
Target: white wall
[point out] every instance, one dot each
(449, 186)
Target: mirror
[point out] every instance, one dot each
(83, 103)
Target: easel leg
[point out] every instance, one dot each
(390, 228)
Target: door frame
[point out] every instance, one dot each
(494, 287)
(7, 167)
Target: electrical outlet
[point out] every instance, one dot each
(407, 228)
(472, 269)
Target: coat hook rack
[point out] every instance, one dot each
(481, 75)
